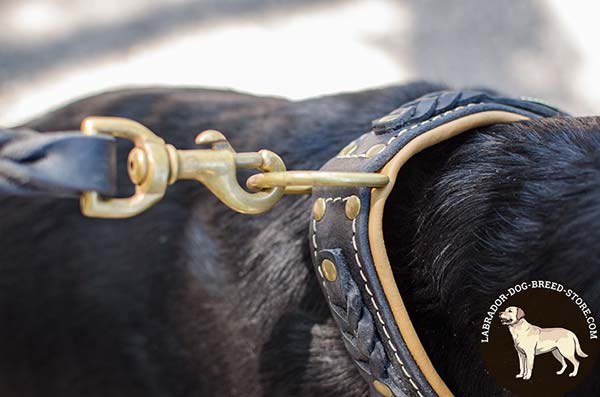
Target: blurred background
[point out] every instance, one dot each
(52, 52)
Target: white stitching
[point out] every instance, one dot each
(364, 155)
(320, 271)
(314, 237)
(392, 346)
(389, 340)
(362, 275)
(374, 304)
(400, 361)
(378, 314)
(351, 156)
(314, 241)
(357, 140)
(386, 332)
(413, 384)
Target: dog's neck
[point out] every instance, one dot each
(469, 210)
(519, 326)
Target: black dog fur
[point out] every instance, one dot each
(192, 299)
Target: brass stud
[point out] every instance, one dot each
(382, 388)
(375, 150)
(137, 165)
(328, 269)
(319, 209)
(349, 148)
(352, 207)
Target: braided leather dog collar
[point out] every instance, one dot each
(347, 243)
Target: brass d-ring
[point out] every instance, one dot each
(149, 167)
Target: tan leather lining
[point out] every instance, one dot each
(380, 258)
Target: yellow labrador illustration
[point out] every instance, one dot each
(531, 341)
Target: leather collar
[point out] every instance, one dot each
(347, 242)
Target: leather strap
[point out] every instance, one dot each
(60, 164)
(348, 248)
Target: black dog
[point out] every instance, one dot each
(192, 299)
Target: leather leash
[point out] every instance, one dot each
(349, 195)
(63, 164)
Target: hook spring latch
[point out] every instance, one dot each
(153, 165)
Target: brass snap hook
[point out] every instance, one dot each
(153, 164)
(216, 169)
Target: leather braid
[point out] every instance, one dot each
(436, 103)
(57, 164)
(12, 179)
(357, 325)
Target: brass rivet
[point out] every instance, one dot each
(375, 150)
(382, 388)
(319, 209)
(137, 165)
(328, 269)
(349, 149)
(352, 207)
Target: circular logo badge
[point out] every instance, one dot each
(539, 338)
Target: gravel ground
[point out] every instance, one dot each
(54, 51)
